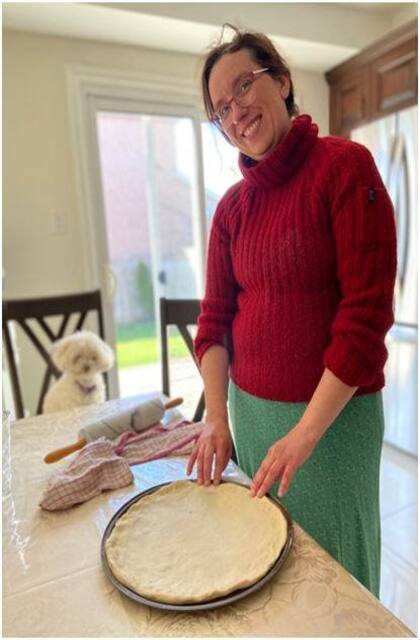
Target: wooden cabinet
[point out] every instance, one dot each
(348, 102)
(393, 79)
(378, 81)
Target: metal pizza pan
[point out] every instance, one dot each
(230, 598)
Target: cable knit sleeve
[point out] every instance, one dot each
(219, 304)
(364, 231)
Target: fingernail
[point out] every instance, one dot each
(260, 494)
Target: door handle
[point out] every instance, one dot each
(110, 282)
(162, 277)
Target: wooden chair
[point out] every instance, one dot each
(39, 309)
(181, 314)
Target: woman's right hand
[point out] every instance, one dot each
(214, 441)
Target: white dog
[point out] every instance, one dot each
(82, 357)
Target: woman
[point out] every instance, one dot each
(300, 276)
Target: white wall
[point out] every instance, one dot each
(312, 96)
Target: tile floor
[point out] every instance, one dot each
(399, 587)
(398, 493)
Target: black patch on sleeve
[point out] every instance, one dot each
(371, 195)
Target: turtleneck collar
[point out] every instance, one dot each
(286, 157)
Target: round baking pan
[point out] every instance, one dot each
(196, 606)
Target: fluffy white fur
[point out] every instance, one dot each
(82, 357)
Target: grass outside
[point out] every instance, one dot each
(137, 344)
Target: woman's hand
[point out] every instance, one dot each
(283, 459)
(288, 454)
(214, 441)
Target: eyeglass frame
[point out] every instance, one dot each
(216, 119)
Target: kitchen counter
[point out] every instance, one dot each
(54, 584)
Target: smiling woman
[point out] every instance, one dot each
(246, 133)
(300, 276)
(230, 86)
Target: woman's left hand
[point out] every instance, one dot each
(283, 459)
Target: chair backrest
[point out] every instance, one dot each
(39, 309)
(181, 314)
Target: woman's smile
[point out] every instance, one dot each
(252, 128)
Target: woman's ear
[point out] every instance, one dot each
(284, 86)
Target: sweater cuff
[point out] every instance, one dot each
(351, 366)
(201, 349)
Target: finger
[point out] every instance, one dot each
(191, 460)
(286, 479)
(260, 475)
(270, 478)
(200, 458)
(208, 463)
(222, 457)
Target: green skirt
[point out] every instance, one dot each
(335, 495)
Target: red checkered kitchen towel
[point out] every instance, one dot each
(104, 464)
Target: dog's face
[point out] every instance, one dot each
(85, 362)
(83, 354)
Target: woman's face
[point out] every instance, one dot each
(258, 128)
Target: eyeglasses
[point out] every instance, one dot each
(244, 95)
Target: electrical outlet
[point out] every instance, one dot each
(59, 222)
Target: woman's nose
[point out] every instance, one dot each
(237, 112)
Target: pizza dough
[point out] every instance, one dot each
(187, 543)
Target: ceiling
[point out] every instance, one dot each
(312, 36)
(387, 8)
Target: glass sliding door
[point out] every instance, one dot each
(147, 178)
(220, 161)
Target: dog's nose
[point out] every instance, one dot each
(86, 368)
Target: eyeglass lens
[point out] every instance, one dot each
(244, 95)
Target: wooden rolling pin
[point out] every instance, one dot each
(138, 419)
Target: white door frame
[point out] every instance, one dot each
(89, 90)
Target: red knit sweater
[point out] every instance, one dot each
(301, 269)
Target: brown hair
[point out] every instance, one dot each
(262, 51)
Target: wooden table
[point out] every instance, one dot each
(54, 584)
